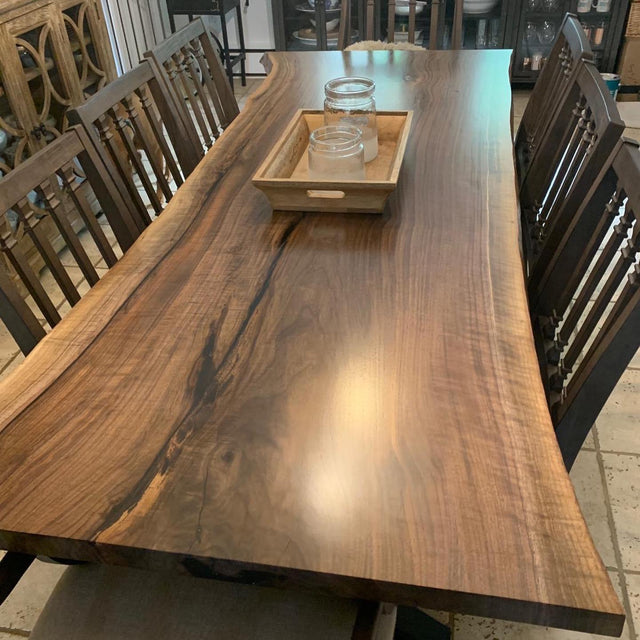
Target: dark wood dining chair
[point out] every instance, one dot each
(570, 49)
(189, 63)
(585, 300)
(581, 135)
(134, 122)
(436, 24)
(58, 178)
(53, 184)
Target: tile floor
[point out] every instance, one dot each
(606, 477)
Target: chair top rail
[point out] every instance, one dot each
(164, 50)
(30, 174)
(113, 93)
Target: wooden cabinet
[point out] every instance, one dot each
(54, 54)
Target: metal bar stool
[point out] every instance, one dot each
(219, 8)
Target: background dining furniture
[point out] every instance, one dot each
(436, 22)
(49, 186)
(54, 54)
(585, 299)
(570, 48)
(190, 65)
(346, 403)
(218, 8)
(583, 131)
(529, 27)
(135, 124)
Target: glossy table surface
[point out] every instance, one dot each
(346, 403)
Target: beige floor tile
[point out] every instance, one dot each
(22, 608)
(623, 480)
(635, 361)
(633, 590)
(8, 347)
(472, 628)
(634, 134)
(619, 421)
(14, 364)
(587, 482)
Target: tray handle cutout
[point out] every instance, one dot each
(333, 195)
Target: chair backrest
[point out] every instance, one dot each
(134, 123)
(586, 303)
(436, 21)
(583, 132)
(189, 63)
(54, 184)
(570, 48)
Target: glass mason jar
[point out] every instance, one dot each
(336, 152)
(351, 101)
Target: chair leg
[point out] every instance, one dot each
(225, 48)
(172, 22)
(12, 567)
(243, 60)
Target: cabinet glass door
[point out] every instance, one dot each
(538, 27)
(483, 24)
(596, 19)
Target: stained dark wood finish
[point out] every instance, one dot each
(570, 48)
(347, 403)
(135, 123)
(54, 175)
(188, 62)
(587, 344)
(583, 132)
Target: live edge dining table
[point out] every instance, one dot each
(347, 403)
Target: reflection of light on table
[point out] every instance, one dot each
(344, 453)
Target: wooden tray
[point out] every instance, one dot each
(284, 175)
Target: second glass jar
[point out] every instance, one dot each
(351, 101)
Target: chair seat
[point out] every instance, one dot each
(97, 602)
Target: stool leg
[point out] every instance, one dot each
(225, 46)
(243, 70)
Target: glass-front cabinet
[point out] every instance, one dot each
(529, 27)
(539, 21)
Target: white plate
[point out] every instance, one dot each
(314, 41)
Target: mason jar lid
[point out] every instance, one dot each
(349, 88)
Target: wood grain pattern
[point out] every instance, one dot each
(349, 403)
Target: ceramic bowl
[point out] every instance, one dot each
(328, 4)
(479, 6)
(402, 7)
(331, 24)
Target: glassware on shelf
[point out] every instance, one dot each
(481, 34)
(336, 152)
(533, 5)
(494, 33)
(350, 101)
(584, 6)
(602, 6)
(547, 33)
(550, 5)
(598, 33)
